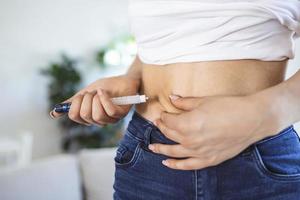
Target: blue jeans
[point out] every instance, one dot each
(268, 169)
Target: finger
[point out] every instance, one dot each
(185, 164)
(86, 108)
(176, 121)
(173, 150)
(98, 113)
(54, 114)
(185, 103)
(112, 110)
(74, 112)
(169, 133)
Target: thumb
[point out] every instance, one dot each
(185, 103)
(54, 114)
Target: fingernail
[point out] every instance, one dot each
(173, 97)
(52, 115)
(151, 147)
(165, 162)
(155, 123)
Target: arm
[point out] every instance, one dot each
(135, 70)
(92, 104)
(282, 104)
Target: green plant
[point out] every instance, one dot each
(64, 82)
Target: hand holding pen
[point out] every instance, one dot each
(94, 106)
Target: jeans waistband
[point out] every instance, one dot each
(144, 130)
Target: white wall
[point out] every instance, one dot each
(32, 33)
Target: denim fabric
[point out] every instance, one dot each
(266, 170)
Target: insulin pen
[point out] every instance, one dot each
(124, 100)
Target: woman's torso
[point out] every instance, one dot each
(215, 47)
(198, 79)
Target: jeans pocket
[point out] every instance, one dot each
(278, 157)
(128, 150)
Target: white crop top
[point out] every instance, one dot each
(172, 31)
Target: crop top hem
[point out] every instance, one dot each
(194, 59)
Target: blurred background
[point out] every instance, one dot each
(48, 50)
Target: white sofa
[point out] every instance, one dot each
(88, 175)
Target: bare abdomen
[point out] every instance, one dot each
(237, 77)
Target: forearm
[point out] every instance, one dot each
(135, 70)
(281, 104)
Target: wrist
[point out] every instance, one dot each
(277, 107)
